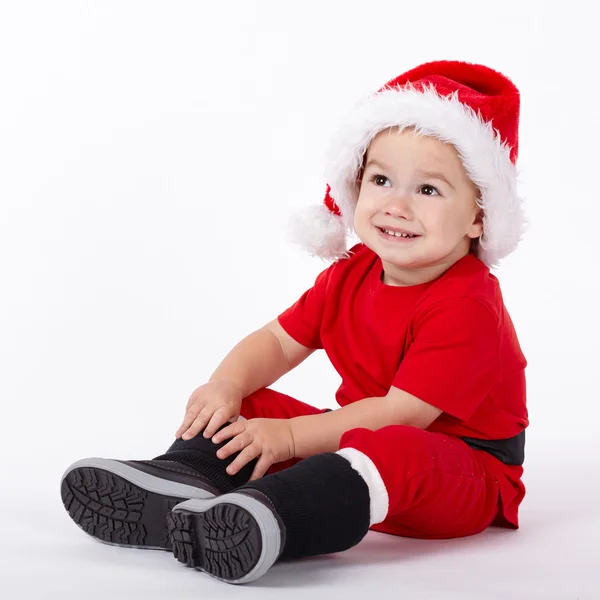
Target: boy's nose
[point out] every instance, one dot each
(398, 205)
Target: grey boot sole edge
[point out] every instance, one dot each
(150, 499)
(187, 516)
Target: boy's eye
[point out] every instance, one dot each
(428, 190)
(379, 180)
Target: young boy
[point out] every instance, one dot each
(428, 441)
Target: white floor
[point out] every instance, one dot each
(555, 554)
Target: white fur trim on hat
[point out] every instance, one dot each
(485, 157)
(320, 232)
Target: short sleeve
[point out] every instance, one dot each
(303, 319)
(453, 361)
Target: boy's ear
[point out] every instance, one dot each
(476, 229)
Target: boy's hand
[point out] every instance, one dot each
(269, 439)
(210, 406)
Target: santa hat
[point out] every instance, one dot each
(470, 106)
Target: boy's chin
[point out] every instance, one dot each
(403, 257)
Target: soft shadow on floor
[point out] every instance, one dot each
(375, 549)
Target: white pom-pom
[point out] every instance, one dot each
(319, 231)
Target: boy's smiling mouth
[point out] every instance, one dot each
(396, 234)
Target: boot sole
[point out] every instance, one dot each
(119, 505)
(234, 538)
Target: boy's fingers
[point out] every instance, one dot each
(231, 430)
(182, 428)
(262, 466)
(198, 425)
(244, 457)
(237, 444)
(188, 419)
(227, 450)
(220, 416)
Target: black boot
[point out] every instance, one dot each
(318, 506)
(126, 502)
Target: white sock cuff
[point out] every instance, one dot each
(366, 468)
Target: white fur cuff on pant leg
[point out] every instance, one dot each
(368, 471)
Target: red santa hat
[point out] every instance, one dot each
(470, 106)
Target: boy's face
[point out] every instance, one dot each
(416, 184)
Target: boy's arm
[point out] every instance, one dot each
(294, 352)
(261, 358)
(321, 433)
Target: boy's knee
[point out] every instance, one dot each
(408, 445)
(388, 436)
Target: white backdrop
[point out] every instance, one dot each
(151, 153)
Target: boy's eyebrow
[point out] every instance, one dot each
(426, 174)
(374, 161)
(436, 175)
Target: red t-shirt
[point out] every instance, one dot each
(450, 342)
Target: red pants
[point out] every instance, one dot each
(422, 484)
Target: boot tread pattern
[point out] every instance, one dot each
(114, 510)
(224, 541)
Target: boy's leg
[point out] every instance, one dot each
(408, 480)
(317, 506)
(422, 484)
(125, 502)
